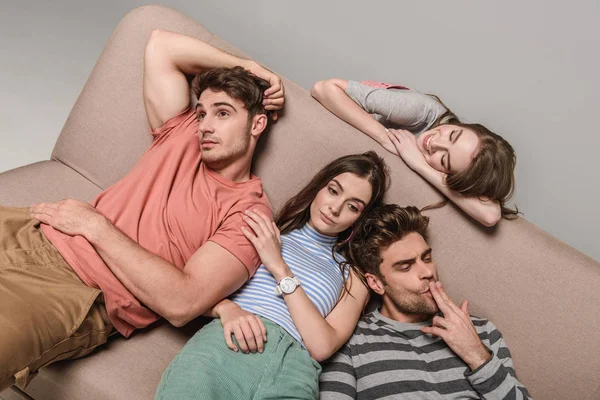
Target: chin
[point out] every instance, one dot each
(212, 159)
(321, 227)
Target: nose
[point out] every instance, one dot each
(440, 143)
(336, 207)
(427, 270)
(205, 125)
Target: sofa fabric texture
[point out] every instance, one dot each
(541, 293)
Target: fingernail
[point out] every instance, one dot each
(438, 284)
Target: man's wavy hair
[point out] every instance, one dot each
(381, 228)
(238, 83)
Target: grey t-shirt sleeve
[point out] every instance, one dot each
(496, 378)
(338, 379)
(396, 108)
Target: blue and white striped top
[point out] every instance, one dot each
(308, 254)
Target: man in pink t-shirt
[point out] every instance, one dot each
(165, 240)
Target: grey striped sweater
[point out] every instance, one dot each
(387, 359)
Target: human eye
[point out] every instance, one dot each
(201, 115)
(332, 190)
(428, 258)
(353, 208)
(223, 113)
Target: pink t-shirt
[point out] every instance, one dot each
(383, 85)
(171, 204)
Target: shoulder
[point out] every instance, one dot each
(184, 121)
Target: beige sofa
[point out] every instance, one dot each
(542, 294)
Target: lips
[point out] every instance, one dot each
(208, 143)
(427, 143)
(326, 219)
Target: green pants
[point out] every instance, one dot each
(207, 369)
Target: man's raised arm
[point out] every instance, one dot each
(169, 57)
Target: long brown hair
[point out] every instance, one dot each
(296, 211)
(490, 175)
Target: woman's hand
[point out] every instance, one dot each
(405, 144)
(266, 240)
(273, 97)
(387, 143)
(248, 328)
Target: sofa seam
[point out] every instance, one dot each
(76, 171)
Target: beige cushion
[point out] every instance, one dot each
(542, 294)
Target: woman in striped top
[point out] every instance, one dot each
(304, 297)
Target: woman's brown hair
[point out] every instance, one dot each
(490, 176)
(296, 212)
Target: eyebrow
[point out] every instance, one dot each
(353, 198)
(411, 260)
(454, 141)
(218, 104)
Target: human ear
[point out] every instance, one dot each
(375, 283)
(259, 123)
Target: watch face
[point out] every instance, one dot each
(287, 285)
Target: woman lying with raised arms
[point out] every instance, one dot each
(472, 166)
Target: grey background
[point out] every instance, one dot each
(527, 70)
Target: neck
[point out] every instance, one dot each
(389, 310)
(235, 171)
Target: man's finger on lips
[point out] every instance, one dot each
(444, 307)
(445, 296)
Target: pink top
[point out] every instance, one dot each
(383, 85)
(171, 204)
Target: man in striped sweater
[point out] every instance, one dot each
(419, 344)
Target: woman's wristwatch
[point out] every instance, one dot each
(287, 285)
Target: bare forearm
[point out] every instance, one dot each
(155, 282)
(318, 335)
(485, 212)
(214, 312)
(190, 55)
(335, 99)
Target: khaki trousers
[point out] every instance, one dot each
(47, 313)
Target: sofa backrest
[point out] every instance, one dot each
(542, 294)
